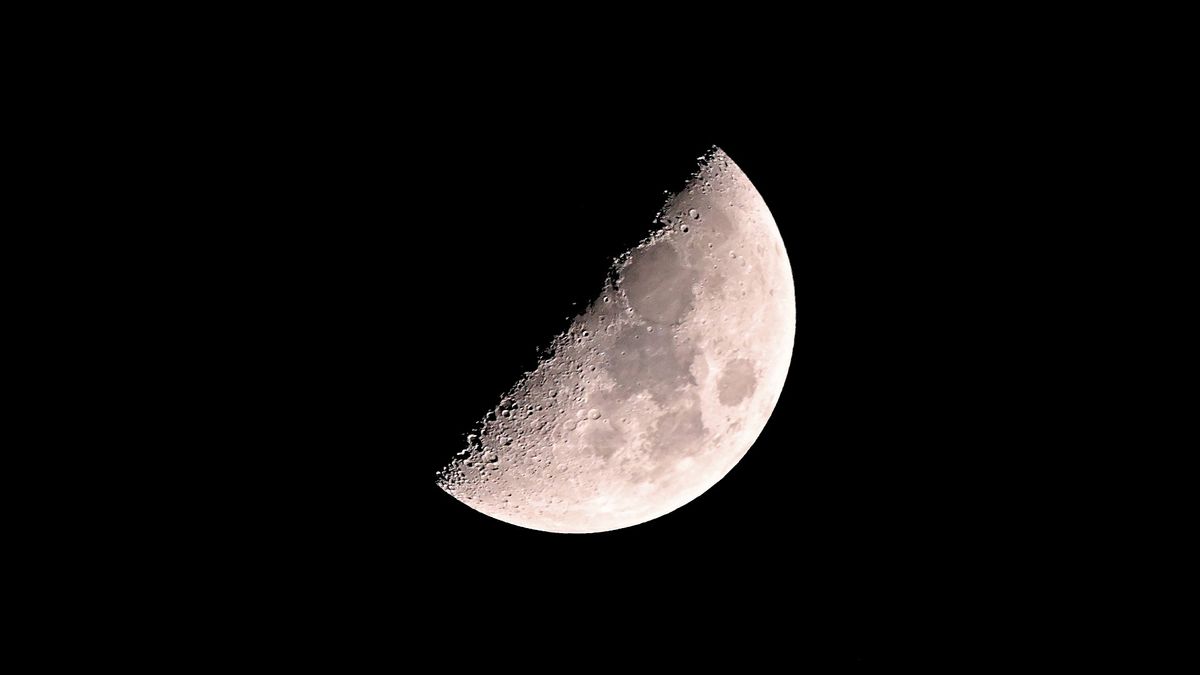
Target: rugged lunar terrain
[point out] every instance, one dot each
(659, 387)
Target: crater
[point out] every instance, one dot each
(717, 223)
(658, 285)
(602, 440)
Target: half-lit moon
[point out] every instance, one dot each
(660, 386)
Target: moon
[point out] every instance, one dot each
(659, 386)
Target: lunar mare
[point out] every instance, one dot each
(660, 386)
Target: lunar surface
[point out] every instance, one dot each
(659, 387)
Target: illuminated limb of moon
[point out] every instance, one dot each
(659, 387)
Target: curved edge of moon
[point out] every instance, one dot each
(659, 387)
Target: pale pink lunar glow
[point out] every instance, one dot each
(660, 386)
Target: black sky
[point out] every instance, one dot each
(418, 264)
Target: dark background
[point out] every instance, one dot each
(418, 262)
(315, 260)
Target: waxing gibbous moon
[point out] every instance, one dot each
(660, 386)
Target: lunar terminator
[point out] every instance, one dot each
(659, 387)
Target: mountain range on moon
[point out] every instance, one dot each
(659, 386)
